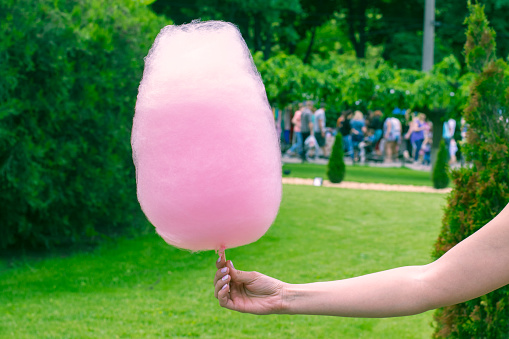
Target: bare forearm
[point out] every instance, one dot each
(395, 292)
(474, 267)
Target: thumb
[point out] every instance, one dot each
(240, 276)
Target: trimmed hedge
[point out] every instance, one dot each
(70, 72)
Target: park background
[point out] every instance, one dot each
(80, 260)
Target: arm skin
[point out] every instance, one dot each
(474, 267)
(296, 119)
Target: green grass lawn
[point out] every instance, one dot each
(143, 288)
(384, 175)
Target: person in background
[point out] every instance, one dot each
(392, 135)
(297, 143)
(345, 129)
(448, 132)
(312, 149)
(416, 134)
(426, 145)
(453, 148)
(377, 126)
(405, 128)
(306, 127)
(320, 129)
(358, 130)
(462, 139)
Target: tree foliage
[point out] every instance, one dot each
(260, 22)
(390, 28)
(70, 71)
(481, 191)
(343, 82)
(450, 30)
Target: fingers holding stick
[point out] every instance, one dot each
(221, 261)
(222, 277)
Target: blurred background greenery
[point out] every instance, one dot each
(70, 71)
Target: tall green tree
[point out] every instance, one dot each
(314, 14)
(482, 190)
(394, 27)
(380, 22)
(450, 16)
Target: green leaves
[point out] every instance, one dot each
(344, 83)
(480, 45)
(71, 71)
(481, 190)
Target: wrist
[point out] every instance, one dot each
(295, 298)
(288, 295)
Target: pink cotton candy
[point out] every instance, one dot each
(208, 164)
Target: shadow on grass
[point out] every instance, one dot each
(25, 255)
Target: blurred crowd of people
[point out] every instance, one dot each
(369, 137)
(310, 132)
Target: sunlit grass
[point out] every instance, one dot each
(143, 288)
(365, 174)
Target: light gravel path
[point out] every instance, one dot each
(368, 186)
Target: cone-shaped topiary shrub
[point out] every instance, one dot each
(441, 169)
(336, 166)
(481, 190)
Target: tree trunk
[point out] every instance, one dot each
(292, 47)
(361, 51)
(242, 20)
(267, 45)
(357, 22)
(258, 31)
(310, 46)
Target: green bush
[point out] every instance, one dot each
(70, 72)
(440, 174)
(336, 165)
(482, 190)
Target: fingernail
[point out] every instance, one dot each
(224, 286)
(231, 263)
(224, 269)
(225, 277)
(219, 260)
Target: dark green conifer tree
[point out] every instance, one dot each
(440, 174)
(336, 166)
(481, 190)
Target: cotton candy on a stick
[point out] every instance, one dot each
(208, 165)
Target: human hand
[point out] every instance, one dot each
(247, 292)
